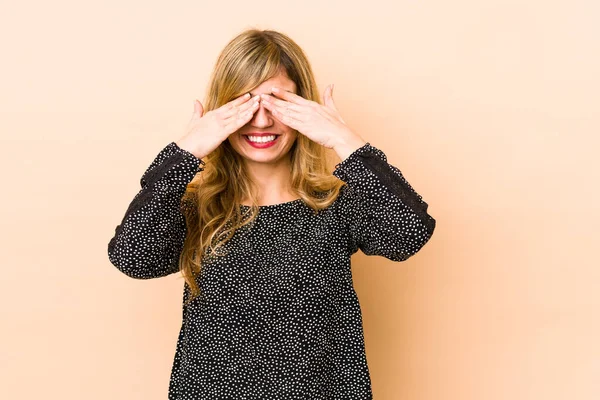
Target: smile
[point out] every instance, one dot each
(261, 142)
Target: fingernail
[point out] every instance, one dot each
(274, 90)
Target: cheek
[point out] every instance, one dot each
(289, 131)
(233, 140)
(292, 137)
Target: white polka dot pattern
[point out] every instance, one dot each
(150, 237)
(278, 317)
(384, 214)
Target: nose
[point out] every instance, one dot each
(262, 117)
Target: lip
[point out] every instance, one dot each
(261, 134)
(261, 145)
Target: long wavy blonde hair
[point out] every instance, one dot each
(211, 203)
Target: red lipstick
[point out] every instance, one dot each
(261, 145)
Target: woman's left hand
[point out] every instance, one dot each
(320, 123)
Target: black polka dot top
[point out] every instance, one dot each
(278, 317)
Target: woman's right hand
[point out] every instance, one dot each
(205, 132)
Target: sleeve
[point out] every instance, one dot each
(149, 240)
(382, 212)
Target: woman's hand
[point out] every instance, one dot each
(320, 123)
(205, 132)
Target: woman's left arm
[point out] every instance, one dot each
(384, 214)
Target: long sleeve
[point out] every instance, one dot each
(149, 240)
(384, 215)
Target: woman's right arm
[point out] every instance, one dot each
(149, 240)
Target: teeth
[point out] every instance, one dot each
(261, 139)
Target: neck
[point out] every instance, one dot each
(272, 181)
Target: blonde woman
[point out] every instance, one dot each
(261, 226)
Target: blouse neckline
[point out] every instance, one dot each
(287, 203)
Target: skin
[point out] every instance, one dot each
(269, 167)
(320, 123)
(275, 107)
(283, 111)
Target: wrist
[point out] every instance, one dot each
(347, 145)
(184, 144)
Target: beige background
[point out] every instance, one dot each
(490, 108)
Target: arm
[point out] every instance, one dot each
(383, 213)
(149, 240)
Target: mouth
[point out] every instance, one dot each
(261, 141)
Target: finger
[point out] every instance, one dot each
(290, 118)
(198, 109)
(324, 96)
(238, 120)
(296, 113)
(195, 108)
(328, 98)
(281, 104)
(225, 108)
(240, 100)
(289, 96)
(236, 110)
(330, 104)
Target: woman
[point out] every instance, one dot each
(269, 309)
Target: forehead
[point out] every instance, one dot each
(280, 81)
